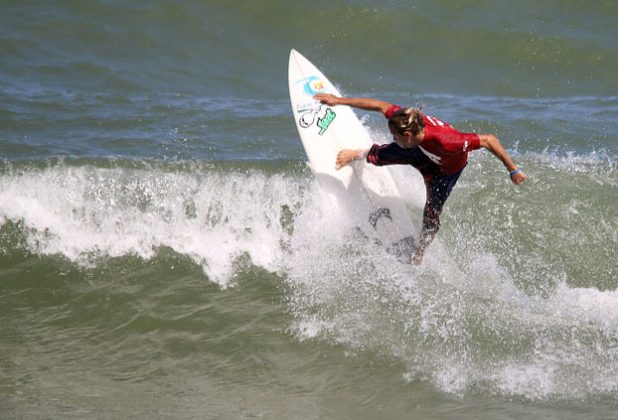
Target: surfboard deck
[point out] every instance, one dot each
(367, 194)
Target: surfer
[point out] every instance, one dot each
(437, 150)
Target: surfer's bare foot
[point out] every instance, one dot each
(346, 156)
(417, 259)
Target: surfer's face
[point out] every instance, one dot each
(405, 139)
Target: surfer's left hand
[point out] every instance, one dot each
(327, 98)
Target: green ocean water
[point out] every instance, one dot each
(165, 251)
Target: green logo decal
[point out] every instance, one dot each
(326, 120)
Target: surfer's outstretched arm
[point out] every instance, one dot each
(367, 104)
(491, 143)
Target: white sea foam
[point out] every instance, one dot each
(87, 213)
(462, 321)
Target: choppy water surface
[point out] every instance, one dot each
(165, 251)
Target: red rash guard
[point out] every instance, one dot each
(445, 146)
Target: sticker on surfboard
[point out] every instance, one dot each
(312, 85)
(309, 117)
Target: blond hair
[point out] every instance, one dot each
(407, 119)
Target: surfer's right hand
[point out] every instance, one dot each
(327, 98)
(518, 178)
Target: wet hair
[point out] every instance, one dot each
(407, 119)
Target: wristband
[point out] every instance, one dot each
(515, 172)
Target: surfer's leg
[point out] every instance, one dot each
(439, 186)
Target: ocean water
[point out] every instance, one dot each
(166, 252)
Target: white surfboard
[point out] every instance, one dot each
(366, 193)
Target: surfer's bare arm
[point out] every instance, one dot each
(491, 143)
(346, 156)
(367, 104)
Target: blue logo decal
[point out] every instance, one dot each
(312, 85)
